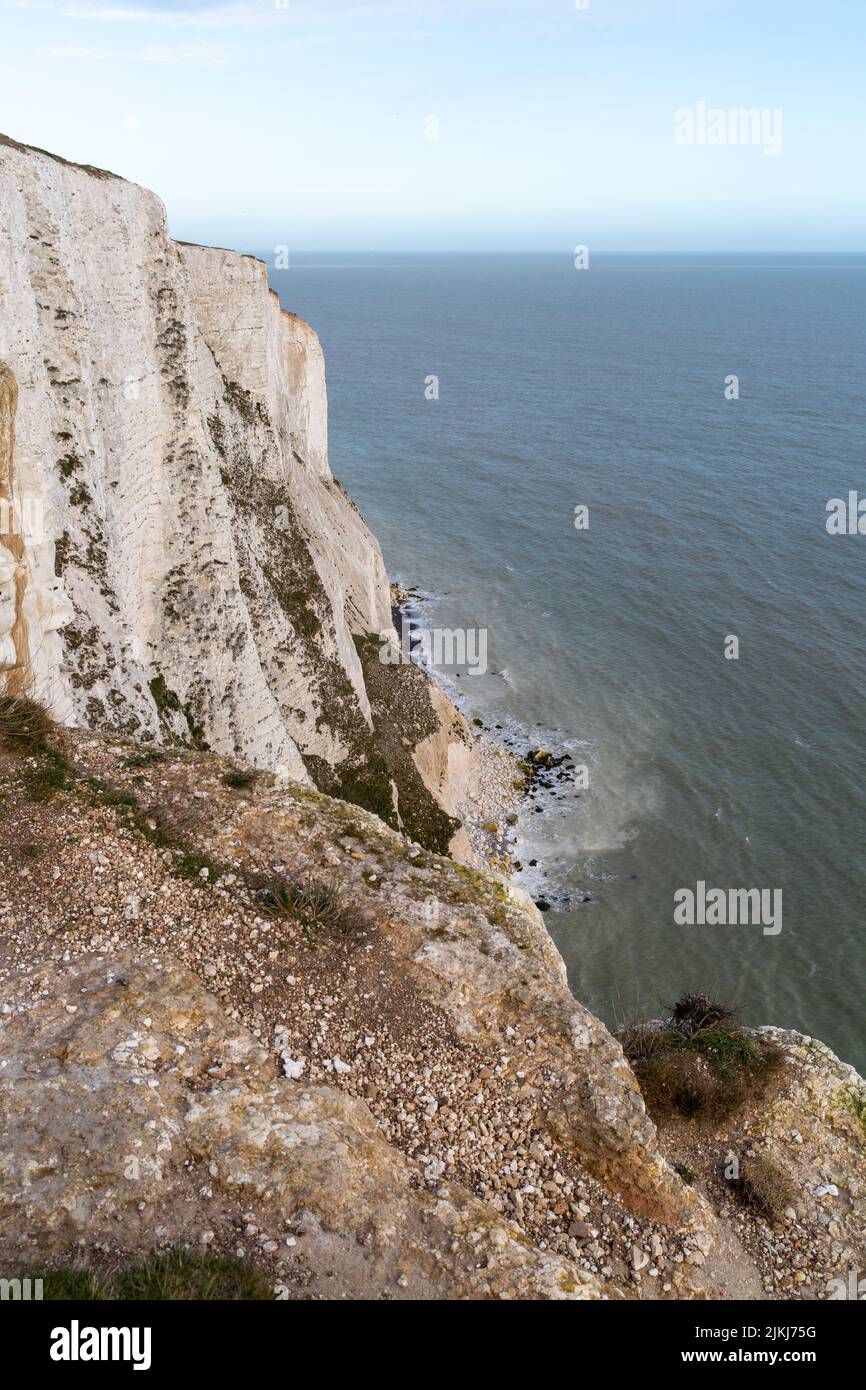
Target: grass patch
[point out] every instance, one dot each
(189, 864)
(144, 758)
(151, 829)
(103, 794)
(175, 1276)
(53, 776)
(26, 727)
(239, 779)
(315, 906)
(698, 1062)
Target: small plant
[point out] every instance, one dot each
(148, 825)
(190, 864)
(52, 776)
(69, 464)
(854, 1101)
(688, 1175)
(692, 1013)
(80, 495)
(103, 794)
(25, 725)
(174, 1276)
(143, 758)
(315, 906)
(698, 1062)
(766, 1186)
(239, 779)
(163, 696)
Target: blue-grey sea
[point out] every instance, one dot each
(605, 388)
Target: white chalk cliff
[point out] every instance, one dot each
(177, 563)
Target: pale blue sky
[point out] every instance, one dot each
(306, 124)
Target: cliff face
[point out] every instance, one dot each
(184, 567)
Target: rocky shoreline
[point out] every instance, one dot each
(507, 786)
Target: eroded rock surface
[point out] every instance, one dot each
(194, 574)
(137, 1116)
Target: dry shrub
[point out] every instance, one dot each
(698, 1062)
(25, 725)
(766, 1186)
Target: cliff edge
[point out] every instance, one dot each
(180, 566)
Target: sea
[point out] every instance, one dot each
(615, 481)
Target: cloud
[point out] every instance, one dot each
(185, 55)
(206, 14)
(226, 16)
(261, 14)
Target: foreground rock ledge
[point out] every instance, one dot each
(136, 1116)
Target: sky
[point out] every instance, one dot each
(475, 125)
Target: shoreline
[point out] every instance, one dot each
(507, 784)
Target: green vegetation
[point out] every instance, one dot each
(143, 758)
(854, 1102)
(163, 697)
(80, 495)
(103, 794)
(69, 464)
(314, 906)
(176, 1276)
(239, 779)
(50, 777)
(189, 864)
(26, 727)
(168, 702)
(698, 1062)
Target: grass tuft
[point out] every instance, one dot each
(239, 778)
(52, 775)
(144, 758)
(315, 906)
(175, 1276)
(189, 864)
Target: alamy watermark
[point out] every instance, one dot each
(437, 647)
(719, 907)
(77, 1343)
(24, 518)
(20, 1290)
(735, 125)
(846, 517)
(851, 1286)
